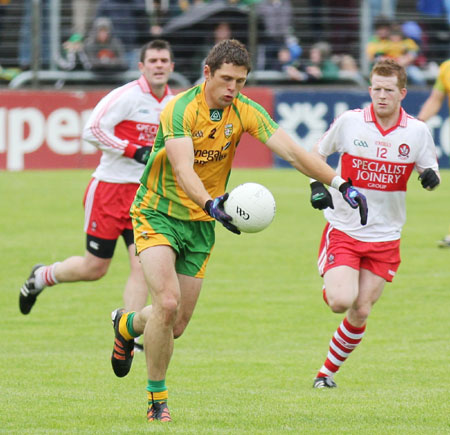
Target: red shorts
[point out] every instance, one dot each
(339, 249)
(107, 208)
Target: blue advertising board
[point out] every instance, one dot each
(307, 114)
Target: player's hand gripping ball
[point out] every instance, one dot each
(251, 207)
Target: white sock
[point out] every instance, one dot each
(45, 276)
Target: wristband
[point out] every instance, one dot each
(336, 182)
(207, 205)
(130, 150)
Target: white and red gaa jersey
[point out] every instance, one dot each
(128, 115)
(379, 163)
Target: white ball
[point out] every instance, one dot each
(251, 206)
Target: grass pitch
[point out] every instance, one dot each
(259, 334)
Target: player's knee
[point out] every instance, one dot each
(169, 309)
(95, 271)
(362, 313)
(339, 304)
(338, 308)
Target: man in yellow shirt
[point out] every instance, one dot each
(181, 196)
(432, 105)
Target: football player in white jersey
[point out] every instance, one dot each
(123, 126)
(379, 147)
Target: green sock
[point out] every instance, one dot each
(130, 328)
(156, 386)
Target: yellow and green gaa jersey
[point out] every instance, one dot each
(443, 80)
(215, 134)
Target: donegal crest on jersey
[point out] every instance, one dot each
(215, 137)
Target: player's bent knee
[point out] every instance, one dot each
(95, 271)
(336, 308)
(339, 304)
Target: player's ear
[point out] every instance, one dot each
(207, 72)
(403, 91)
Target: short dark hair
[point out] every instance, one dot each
(228, 51)
(382, 21)
(389, 68)
(156, 44)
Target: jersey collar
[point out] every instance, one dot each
(369, 116)
(144, 85)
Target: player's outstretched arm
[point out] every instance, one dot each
(431, 105)
(283, 145)
(314, 165)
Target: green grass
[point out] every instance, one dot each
(259, 333)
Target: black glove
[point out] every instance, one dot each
(320, 197)
(214, 207)
(355, 199)
(142, 154)
(429, 179)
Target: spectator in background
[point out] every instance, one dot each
(221, 31)
(385, 8)
(104, 51)
(73, 56)
(26, 34)
(319, 66)
(405, 51)
(390, 42)
(6, 74)
(436, 14)
(162, 11)
(289, 63)
(130, 22)
(277, 17)
(380, 41)
(413, 31)
(348, 68)
(83, 13)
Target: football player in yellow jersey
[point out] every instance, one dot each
(181, 196)
(432, 105)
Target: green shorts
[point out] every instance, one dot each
(193, 241)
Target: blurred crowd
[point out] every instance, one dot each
(105, 36)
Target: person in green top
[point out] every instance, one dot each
(432, 105)
(181, 195)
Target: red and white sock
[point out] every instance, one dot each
(45, 276)
(342, 344)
